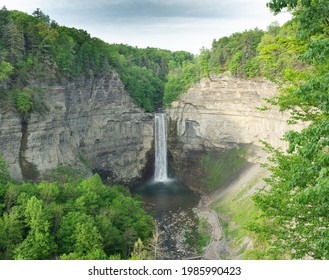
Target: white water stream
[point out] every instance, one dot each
(160, 170)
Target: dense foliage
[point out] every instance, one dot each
(35, 50)
(74, 220)
(180, 78)
(296, 204)
(145, 72)
(236, 53)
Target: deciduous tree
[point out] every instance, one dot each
(297, 200)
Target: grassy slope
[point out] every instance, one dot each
(236, 211)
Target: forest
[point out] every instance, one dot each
(35, 49)
(295, 206)
(37, 219)
(70, 219)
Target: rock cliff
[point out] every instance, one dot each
(91, 123)
(219, 114)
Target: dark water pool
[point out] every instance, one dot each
(172, 205)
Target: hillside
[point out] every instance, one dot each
(36, 50)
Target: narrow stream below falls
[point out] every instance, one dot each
(172, 205)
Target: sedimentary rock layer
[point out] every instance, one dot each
(222, 112)
(91, 124)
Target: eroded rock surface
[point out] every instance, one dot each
(91, 123)
(220, 114)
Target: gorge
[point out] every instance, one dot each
(95, 126)
(80, 143)
(220, 115)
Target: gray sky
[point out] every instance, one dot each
(168, 24)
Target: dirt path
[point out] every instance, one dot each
(216, 247)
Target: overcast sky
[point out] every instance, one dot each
(168, 24)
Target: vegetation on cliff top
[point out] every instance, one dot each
(36, 50)
(237, 55)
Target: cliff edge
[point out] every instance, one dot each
(92, 124)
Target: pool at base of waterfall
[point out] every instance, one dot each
(172, 205)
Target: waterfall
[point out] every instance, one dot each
(160, 170)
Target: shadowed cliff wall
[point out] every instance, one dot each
(92, 124)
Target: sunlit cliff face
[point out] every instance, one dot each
(219, 114)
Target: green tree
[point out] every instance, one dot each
(204, 62)
(5, 70)
(11, 233)
(234, 63)
(48, 192)
(14, 39)
(278, 55)
(38, 244)
(88, 244)
(236, 53)
(277, 5)
(112, 238)
(66, 234)
(298, 196)
(11, 196)
(24, 100)
(179, 80)
(4, 173)
(65, 53)
(131, 220)
(88, 203)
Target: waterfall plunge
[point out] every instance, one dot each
(160, 170)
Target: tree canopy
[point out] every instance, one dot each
(297, 201)
(81, 219)
(35, 49)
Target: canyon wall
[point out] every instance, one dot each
(91, 124)
(94, 125)
(220, 114)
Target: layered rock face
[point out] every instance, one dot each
(223, 112)
(91, 124)
(220, 114)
